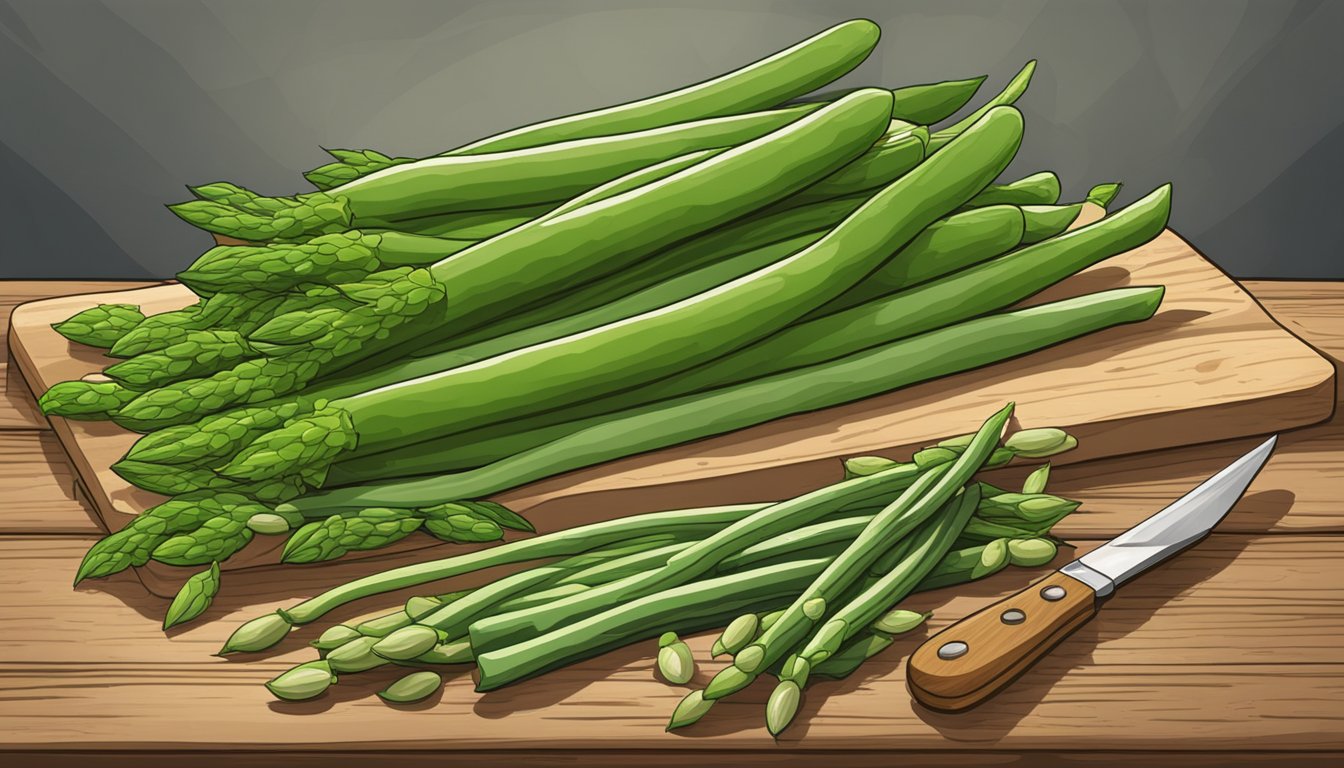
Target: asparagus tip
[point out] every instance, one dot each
(689, 710)
(257, 635)
(782, 706)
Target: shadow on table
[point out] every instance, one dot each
(990, 721)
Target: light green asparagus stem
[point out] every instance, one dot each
(507, 629)
(915, 504)
(559, 544)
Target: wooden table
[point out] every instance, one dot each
(1232, 653)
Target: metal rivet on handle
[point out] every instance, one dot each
(1053, 593)
(1013, 616)
(953, 650)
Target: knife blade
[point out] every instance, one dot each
(974, 658)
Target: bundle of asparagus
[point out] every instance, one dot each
(807, 586)
(381, 356)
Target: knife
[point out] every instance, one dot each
(969, 661)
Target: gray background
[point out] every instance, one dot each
(108, 108)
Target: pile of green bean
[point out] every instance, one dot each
(805, 587)
(381, 356)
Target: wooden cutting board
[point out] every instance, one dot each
(1211, 365)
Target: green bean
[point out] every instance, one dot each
(932, 103)
(544, 174)
(893, 586)
(773, 80)
(958, 241)
(1009, 95)
(1043, 222)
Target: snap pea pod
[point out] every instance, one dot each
(936, 353)
(991, 285)
(1042, 222)
(535, 163)
(960, 240)
(817, 207)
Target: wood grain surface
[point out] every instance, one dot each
(1232, 653)
(1212, 365)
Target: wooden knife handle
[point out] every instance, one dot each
(972, 659)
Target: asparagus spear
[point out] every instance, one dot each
(408, 639)
(700, 558)
(934, 304)
(881, 369)
(526, 263)
(562, 543)
(930, 544)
